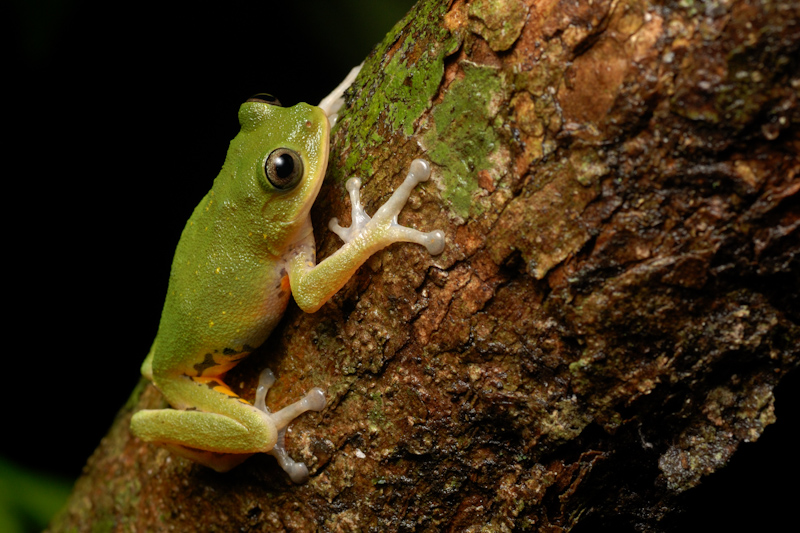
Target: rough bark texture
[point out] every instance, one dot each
(618, 181)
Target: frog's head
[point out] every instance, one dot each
(276, 164)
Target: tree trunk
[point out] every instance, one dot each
(617, 300)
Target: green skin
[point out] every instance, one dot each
(245, 247)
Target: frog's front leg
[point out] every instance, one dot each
(221, 430)
(312, 285)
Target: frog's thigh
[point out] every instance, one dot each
(219, 421)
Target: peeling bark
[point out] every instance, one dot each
(618, 299)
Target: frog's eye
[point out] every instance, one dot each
(284, 168)
(264, 98)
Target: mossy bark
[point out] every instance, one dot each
(618, 298)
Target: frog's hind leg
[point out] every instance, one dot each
(218, 423)
(220, 429)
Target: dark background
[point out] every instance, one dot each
(118, 118)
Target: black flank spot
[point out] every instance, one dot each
(207, 363)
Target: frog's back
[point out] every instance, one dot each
(225, 296)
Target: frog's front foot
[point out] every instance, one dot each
(383, 227)
(314, 400)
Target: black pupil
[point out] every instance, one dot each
(284, 166)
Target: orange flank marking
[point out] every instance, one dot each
(218, 385)
(285, 285)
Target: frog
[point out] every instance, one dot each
(248, 248)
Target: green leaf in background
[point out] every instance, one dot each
(28, 499)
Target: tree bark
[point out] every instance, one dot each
(617, 300)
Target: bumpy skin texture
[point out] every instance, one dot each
(247, 245)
